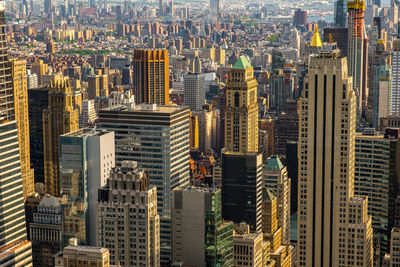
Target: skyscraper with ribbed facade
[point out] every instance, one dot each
(331, 219)
(20, 89)
(59, 118)
(151, 76)
(12, 221)
(355, 54)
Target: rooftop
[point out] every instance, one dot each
(274, 163)
(241, 64)
(87, 132)
(145, 108)
(316, 40)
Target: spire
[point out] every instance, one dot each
(316, 39)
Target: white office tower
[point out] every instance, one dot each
(195, 91)
(88, 113)
(32, 79)
(128, 223)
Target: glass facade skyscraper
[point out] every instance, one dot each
(157, 137)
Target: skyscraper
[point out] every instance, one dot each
(195, 90)
(355, 54)
(38, 100)
(151, 76)
(157, 137)
(241, 112)
(214, 9)
(373, 156)
(340, 14)
(127, 208)
(242, 188)
(87, 157)
(330, 219)
(396, 78)
(12, 223)
(20, 89)
(280, 252)
(59, 118)
(199, 235)
(46, 230)
(276, 180)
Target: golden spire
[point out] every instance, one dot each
(316, 39)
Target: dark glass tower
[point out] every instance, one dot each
(242, 188)
(341, 14)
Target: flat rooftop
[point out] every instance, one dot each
(87, 132)
(145, 108)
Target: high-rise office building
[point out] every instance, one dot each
(127, 209)
(396, 78)
(382, 84)
(355, 53)
(338, 36)
(280, 253)
(20, 89)
(87, 156)
(46, 231)
(12, 224)
(18, 253)
(199, 235)
(241, 112)
(151, 76)
(214, 9)
(340, 14)
(88, 114)
(300, 17)
(157, 137)
(375, 177)
(330, 218)
(59, 118)
(38, 100)
(242, 188)
(250, 249)
(275, 178)
(208, 129)
(194, 90)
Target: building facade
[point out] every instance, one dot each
(242, 189)
(38, 100)
(151, 76)
(194, 90)
(327, 118)
(199, 236)
(46, 231)
(129, 225)
(275, 178)
(20, 89)
(17, 253)
(82, 256)
(59, 118)
(87, 157)
(241, 112)
(355, 53)
(157, 137)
